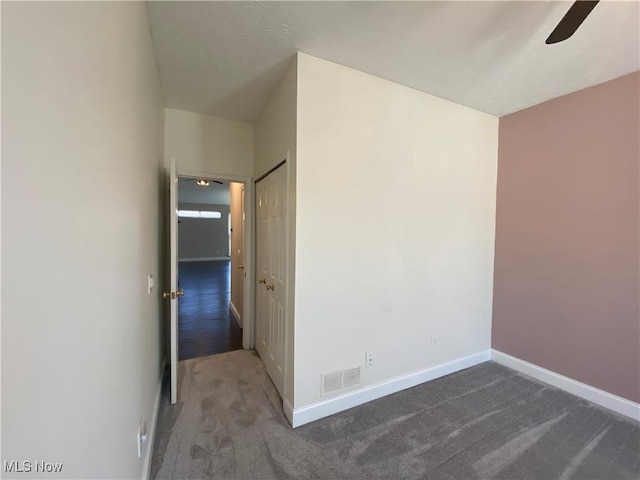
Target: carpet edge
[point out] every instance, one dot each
(315, 411)
(602, 398)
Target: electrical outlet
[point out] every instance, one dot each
(368, 359)
(142, 437)
(434, 342)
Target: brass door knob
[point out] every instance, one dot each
(269, 287)
(262, 280)
(241, 267)
(180, 293)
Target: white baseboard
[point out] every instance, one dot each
(324, 408)
(288, 410)
(203, 259)
(600, 397)
(234, 310)
(151, 436)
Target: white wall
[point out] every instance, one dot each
(204, 144)
(275, 127)
(274, 139)
(395, 227)
(82, 154)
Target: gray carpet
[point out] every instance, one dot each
(484, 422)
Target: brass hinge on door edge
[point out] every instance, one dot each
(173, 295)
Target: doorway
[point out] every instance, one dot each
(208, 321)
(174, 292)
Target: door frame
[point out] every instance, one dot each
(248, 322)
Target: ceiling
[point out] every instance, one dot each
(225, 58)
(213, 194)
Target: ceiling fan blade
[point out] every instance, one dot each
(571, 21)
(198, 179)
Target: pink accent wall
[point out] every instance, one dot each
(567, 267)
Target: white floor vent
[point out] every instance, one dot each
(335, 382)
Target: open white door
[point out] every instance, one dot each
(173, 293)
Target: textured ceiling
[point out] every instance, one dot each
(224, 58)
(213, 194)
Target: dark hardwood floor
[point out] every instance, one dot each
(205, 324)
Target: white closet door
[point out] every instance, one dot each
(261, 268)
(277, 273)
(271, 237)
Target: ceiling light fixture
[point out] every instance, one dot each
(202, 182)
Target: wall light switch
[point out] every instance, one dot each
(150, 283)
